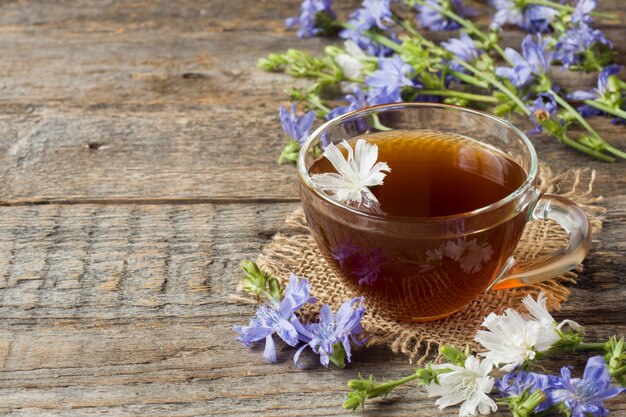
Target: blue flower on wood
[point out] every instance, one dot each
(586, 396)
(535, 59)
(276, 317)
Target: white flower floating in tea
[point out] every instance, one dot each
(354, 174)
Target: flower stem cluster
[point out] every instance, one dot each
(387, 59)
(514, 342)
(329, 337)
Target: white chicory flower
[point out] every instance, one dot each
(512, 338)
(350, 62)
(549, 329)
(354, 174)
(469, 385)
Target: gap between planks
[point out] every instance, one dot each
(149, 201)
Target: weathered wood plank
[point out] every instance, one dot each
(125, 309)
(167, 102)
(227, 153)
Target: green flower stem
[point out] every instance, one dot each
(406, 25)
(385, 388)
(590, 152)
(618, 371)
(585, 124)
(615, 151)
(566, 8)
(318, 104)
(377, 37)
(493, 81)
(364, 391)
(599, 346)
(607, 109)
(459, 94)
(469, 79)
(469, 26)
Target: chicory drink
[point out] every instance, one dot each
(432, 176)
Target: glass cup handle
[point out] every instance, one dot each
(571, 218)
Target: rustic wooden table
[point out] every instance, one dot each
(138, 145)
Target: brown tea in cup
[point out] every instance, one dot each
(451, 212)
(434, 175)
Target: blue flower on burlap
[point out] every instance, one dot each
(330, 338)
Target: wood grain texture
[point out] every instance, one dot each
(137, 149)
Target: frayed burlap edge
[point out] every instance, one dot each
(294, 251)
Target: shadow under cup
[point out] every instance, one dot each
(419, 269)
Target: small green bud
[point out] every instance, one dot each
(355, 399)
(275, 289)
(360, 384)
(614, 83)
(503, 109)
(594, 143)
(453, 355)
(333, 51)
(255, 279)
(338, 356)
(456, 101)
(271, 63)
(426, 375)
(290, 153)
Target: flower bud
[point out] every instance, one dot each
(358, 384)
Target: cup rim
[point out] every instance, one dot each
(521, 190)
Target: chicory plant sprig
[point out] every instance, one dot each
(513, 343)
(472, 70)
(330, 337)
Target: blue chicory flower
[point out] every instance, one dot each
(387, 81)
(331, 329)
(276, 317)
(514, 385)
(585, 396)
(582, 11)
(296, 127)
(603, 85)
(308, 17)
(463, 48)
(575, 42)
(535, 60)
(602, 90)
(538, 18)
(532, 18)
(430, 18)
(382, 96)
(372, 14)
(356, 101)
(543, 108)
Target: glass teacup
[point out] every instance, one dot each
(421, 269)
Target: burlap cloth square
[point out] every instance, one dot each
(294, 250)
